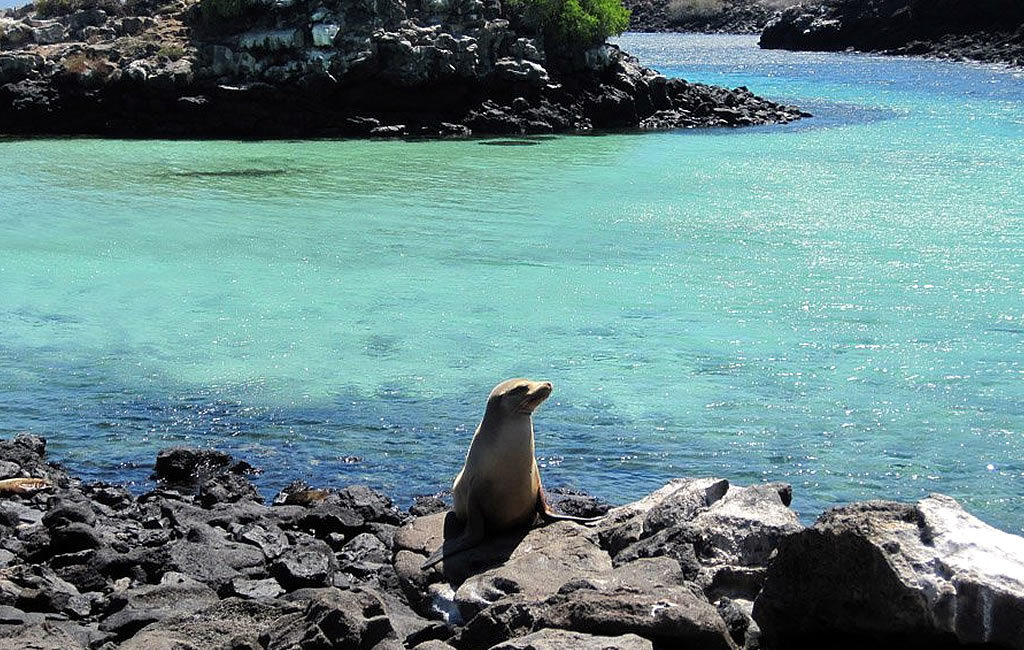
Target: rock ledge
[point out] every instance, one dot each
(201, 563)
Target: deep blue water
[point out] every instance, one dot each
(837, 303)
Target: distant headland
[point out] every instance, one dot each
(990, 31)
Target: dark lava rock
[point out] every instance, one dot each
(328, 518)
(370, 504)
(23, 449)
(231, 623)
(886, 574)
(708, 17)
(334, 619)
(115, 497)
(80, 570)
(670, 614)
(188, 466)
(63, 512)
(266, 588)
(288, 69)
(984, 30)
(736, 620)
(427, 505)
(74, 537)
(269, 539)
(576, 503)
(308, 563)
(566, 640)
(135, 608)
(227, 488)
(216, 565)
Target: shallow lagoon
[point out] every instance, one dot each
(837, 303)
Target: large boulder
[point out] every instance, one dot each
(229, 623)
(333, 618)
(187, 465)
(548, 558)
(647, 568)
(672, 616)
(888, 574)
(721, 535)
(565, 640)
(176, 595)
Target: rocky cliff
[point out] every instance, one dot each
(328, 68)
(200, 563)
(704, 16)
(978, 30)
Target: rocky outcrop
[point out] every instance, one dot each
(924, 575)
(662, 568)
(703, 16)
(295, 68)
(978, 30)
(700, 563)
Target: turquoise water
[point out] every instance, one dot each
(837, 303)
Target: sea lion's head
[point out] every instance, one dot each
(517, 397)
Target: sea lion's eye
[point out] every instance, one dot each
(521, 388)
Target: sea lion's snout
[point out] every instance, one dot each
(539, 392)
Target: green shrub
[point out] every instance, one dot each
(571, 25)
(52, 8)
(172, 52)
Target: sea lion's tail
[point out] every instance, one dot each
(549, 515)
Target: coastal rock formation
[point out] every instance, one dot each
(328, 68)
(927, 574)
(704, 16)
(699, 563)
(978, 30)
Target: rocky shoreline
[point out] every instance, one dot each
(200, 562)
(703, 16)
(303, 68)
(989, 31)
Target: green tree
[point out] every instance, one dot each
(571, 25)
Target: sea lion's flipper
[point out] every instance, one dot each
(22, 485)
(471, 536)
(549, 515)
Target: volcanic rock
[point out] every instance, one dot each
(393, 68)
(980, 30)
(882, 573)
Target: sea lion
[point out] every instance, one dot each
(499, 486)
(22, 485)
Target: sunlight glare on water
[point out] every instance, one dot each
(837, 303)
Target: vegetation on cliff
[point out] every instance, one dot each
(710, 16)
(571, 25)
